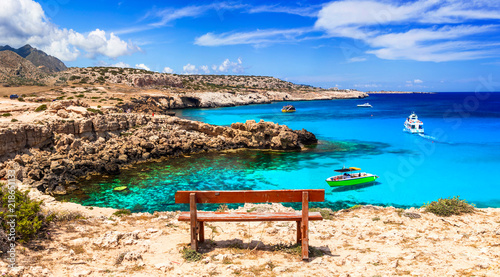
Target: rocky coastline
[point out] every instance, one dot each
(399, 92)
(52, 155)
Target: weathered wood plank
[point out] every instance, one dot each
(194, 221)
(305, 226)
(215, 216)
(250, 196)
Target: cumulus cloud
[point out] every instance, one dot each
(417, 81)
(24, 22)
(205, 69)
(142, 66)
(190, 69)
(168, 70)
(225, 67)
(121, 64)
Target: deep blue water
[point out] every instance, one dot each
(460, 155)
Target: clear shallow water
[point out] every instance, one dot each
(458, 156)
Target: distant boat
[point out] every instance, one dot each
(365, 105)
(288, 109)
(349, 179)
(413, 125)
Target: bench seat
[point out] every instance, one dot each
(242, 216)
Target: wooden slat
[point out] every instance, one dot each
(215, 216)
(250, 196)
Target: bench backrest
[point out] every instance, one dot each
(250, 196)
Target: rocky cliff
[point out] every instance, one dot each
(53, 155)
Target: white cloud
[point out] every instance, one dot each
(417, 81)
(142, 66)
(225, 67)
(386, 27)
(307, 11)
(356, 59)
(24, 22)
(259, 37)
(235, 67)
(168, 70)
(121, 64)
(190, 69)
(205, 69)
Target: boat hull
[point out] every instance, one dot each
(287, 111)
(351, 181)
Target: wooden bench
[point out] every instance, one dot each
(198, 218)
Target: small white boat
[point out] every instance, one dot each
(413, 125)
(365, 105)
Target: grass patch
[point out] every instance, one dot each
(96, 111)
(190, 255)
(14, 120)
(122, 212)
(222, 208)
(6, 114)
(325, 213)
(42, 107)
(449, 206)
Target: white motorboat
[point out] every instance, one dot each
(365, 105)
(413, 125)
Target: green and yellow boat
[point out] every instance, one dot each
(350, 177)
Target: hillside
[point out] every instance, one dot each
(14, 69)
(40, 59)
(147, 79)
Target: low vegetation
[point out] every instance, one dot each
(42, 107)
(449, 206)
(29, 218)
(122, 212)
(190, 255)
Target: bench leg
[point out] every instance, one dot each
(305, 225)
(201, 231)
(194, 221)
(299, 232)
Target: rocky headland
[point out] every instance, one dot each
(54, 153)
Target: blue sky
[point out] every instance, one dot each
(421, 45)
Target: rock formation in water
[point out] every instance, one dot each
(53, 155)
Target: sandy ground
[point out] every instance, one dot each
(367, 241)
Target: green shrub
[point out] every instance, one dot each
(122, 212)
(449, 206)
(20, 99)
(325, 213)
(29, 219)
(14, 120)
(80, 95)
(6, 114)
(42, 107)
(96, 111)
(190, 255)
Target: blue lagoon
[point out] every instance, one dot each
(458, 155)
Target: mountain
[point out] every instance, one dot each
(17, 70)
(40, 59)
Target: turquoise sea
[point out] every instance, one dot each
(458, 156)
